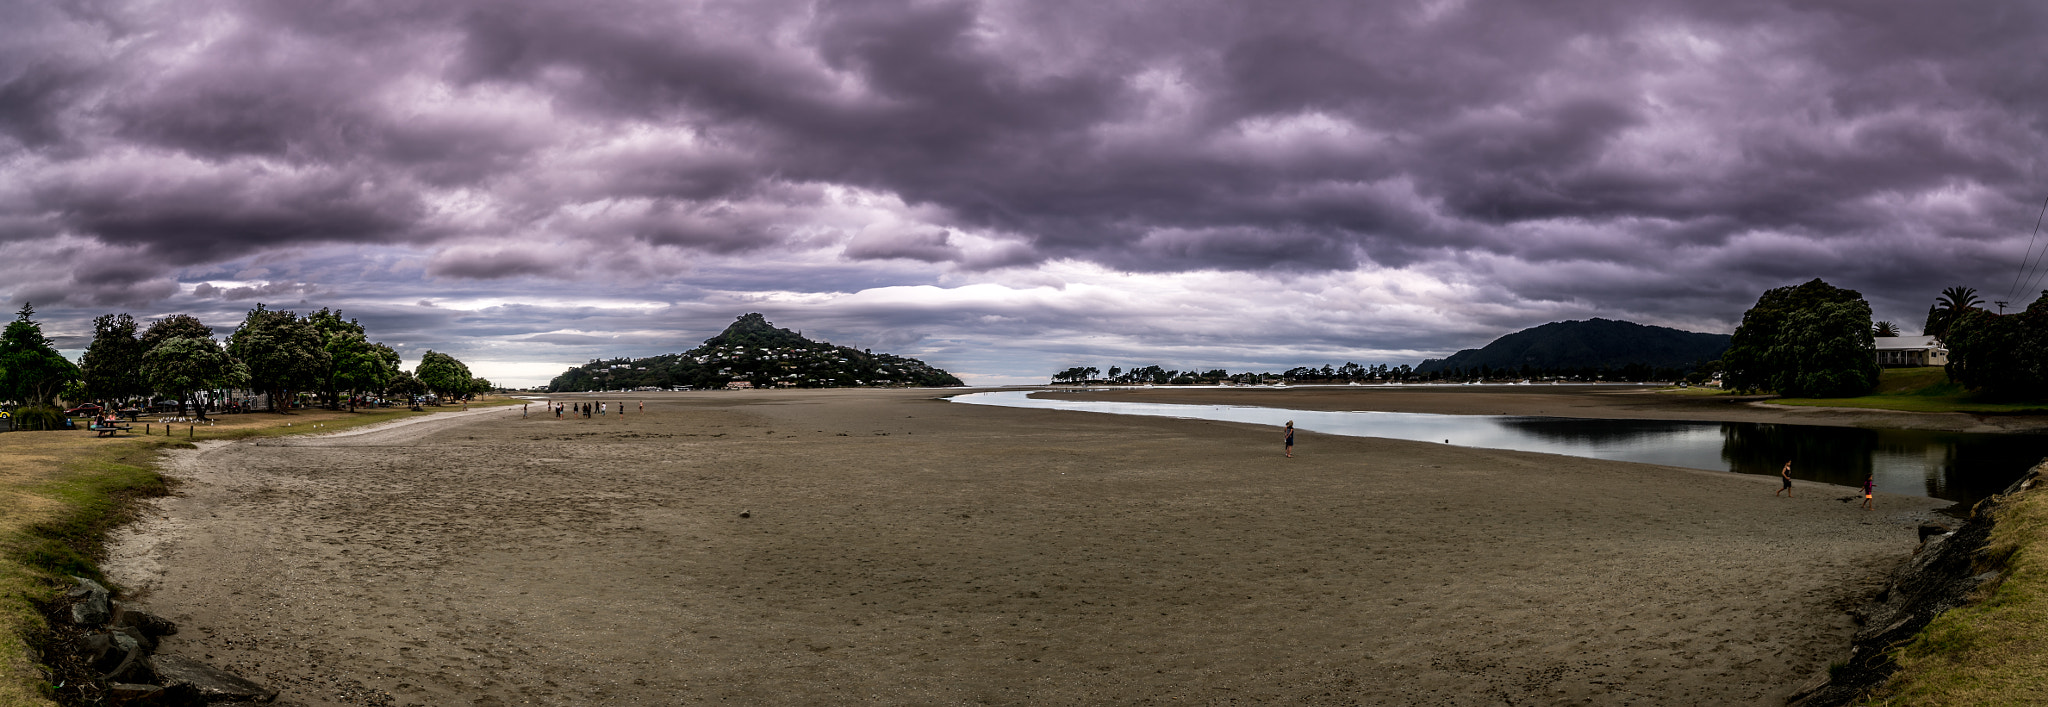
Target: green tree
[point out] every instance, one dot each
(349, 353)
(31, 370)
(2001, 356)
(444, 375)
(370, 369)
(1808, 340)
(172, 327)
(1952, 303)
(1884, 329)
(178, 366)
(282, 352)
(112, 365)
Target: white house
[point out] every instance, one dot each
(1910, 351)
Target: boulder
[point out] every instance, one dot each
(130, 656)
(150, 624)
(192, 681)
(93, 648)
(148, 644)
(89, 605)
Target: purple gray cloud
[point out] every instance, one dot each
(1009, 186)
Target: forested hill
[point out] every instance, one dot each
(755, 351)
(1595, 344)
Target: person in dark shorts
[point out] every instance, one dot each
(1290, 439)
(1786, 474)
(1869, 492)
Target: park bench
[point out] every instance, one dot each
(103, 429)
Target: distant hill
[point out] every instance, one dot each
(753, 350)
(1589, 345)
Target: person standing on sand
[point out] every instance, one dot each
(1869, 486)
(1786, 474)
(1290, 439)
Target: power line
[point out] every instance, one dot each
(2014, 289)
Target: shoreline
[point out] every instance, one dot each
(1581, 401)
(905, 548)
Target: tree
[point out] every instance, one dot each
(178, 366)
(349, 353)
(1884, 329)
(282, 352)
(2001, 355)
(370, 369)
(111, 368)
(1952, 303)
(1809, 340)
(443, 374)
(404, 384)
(31, 370)
(172, 327)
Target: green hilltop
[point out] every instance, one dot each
(754, 351)
(1591, 345)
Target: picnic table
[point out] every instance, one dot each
(102, 428)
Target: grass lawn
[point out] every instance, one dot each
(1994, 652)
(61, 491)
(1921, 390)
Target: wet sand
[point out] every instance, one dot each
(901, 549)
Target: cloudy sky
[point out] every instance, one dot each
(1006, 188)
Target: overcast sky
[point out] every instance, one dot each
(1005, 189)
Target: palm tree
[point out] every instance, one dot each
(1952, 303)
(1884, 329)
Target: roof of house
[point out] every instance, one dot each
(1894, 343)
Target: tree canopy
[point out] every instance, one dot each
(2001, 355)
(31, 370)
(445, 376)
(1807, 340)
(112, 364)
(282, 351)
(177, 366)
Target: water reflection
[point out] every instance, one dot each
(1956, 466)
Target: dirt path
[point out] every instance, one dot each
(899, 549)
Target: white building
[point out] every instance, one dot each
(1901, 351)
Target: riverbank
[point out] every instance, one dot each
(61, 491)
(883, 546)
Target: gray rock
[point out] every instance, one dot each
(1928, 530)
(92, 647)
(89, 605)
(143, 639)
(128, 693)
(130, 653)
(190, 680)
(150, 624)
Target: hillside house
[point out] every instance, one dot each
(1906, 351)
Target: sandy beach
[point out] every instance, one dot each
(901, 549)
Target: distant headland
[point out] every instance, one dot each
(753, 353)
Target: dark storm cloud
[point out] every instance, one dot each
(1661, 159)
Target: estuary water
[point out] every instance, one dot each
(1957, 466)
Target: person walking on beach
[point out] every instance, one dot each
(1869, 487)
(1290, 439)
(1786, 474)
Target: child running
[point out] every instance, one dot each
(1786, 474)
(1869, 487)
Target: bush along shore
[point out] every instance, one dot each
(1956, 622)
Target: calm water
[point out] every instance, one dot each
(1956, 466)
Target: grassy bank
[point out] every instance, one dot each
(1921, 390)
(61, 491)
(1994, 652)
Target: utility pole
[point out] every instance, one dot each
(2001, 306)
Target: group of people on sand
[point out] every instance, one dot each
(1869, 486)
(590, 409)
(1869, 482)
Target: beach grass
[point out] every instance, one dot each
(1922, 390)
(61, 491)
(1994, 652)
